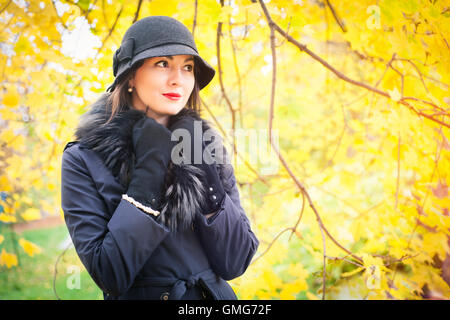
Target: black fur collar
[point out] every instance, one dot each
(112, 141)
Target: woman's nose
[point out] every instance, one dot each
(175, 76)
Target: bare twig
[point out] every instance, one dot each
(341, 136)
(238, 75)
(392, 261)
(6, 6)
(338, 20)
(398, 170)
(138, 9)
(402, 77)
(423, 101)
(324, 252)
(56, 269)
(90, 8)
(272, 103)
(339, 74)
(194, 24)
(283, 161)
(300, 216)
(225, 137)
(345, 259)
(304, 193)
(274, 80)
(222, 87)
(111, 30)
(420, 207)
(271, 244)
(56, 12)
(418, 72)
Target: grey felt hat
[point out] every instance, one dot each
(157, 36)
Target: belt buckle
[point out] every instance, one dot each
(164, 296)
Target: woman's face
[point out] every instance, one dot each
(158, 77)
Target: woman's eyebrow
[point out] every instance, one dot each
(188, 59)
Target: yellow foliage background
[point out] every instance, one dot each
(373, 161)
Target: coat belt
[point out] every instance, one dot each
(179, 286)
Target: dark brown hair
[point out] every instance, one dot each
(120, 99)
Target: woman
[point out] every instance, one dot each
(146, 222)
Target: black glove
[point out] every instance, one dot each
(152, 147)
(211, 179)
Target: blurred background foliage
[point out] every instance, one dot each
(350, 201)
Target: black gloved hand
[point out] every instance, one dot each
(152, 147)
(195, 152)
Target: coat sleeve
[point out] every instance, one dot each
(112, 248)
(227, 237)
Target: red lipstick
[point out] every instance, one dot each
(172, 96)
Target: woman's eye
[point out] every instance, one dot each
(162, 61)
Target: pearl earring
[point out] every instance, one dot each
(130, 89)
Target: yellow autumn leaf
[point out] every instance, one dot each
(311, 296)
(370, 260)
(298, 270)
(31, 214)
(225, 12)
(1, 238)
(290, 290)
(339, 140)
(6, 218)
(10, 137)
(271, 280)
(8, 114)
(17, 142)
(4, 183)
(30, 248)
(350, 273)
(11, 98)
(8, 259)
(395, 94)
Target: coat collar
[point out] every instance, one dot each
(112, 141)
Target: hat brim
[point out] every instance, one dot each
(206, 73)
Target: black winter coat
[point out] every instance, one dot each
(127, 253)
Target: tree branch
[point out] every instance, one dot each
(338, 20)
(339, 74)
(271, 244)
(111, 30)
(222, 87)
(238, 75)
(225, 137)
(272, 25)
(136, 15)
(56, 269)
(283, 161)
(194, 24)
(6, 6)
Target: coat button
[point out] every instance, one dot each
(214, 197)
(211, 189)
(165, 296)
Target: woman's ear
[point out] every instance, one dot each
(131, 81)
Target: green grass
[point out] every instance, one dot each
(33, 278)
